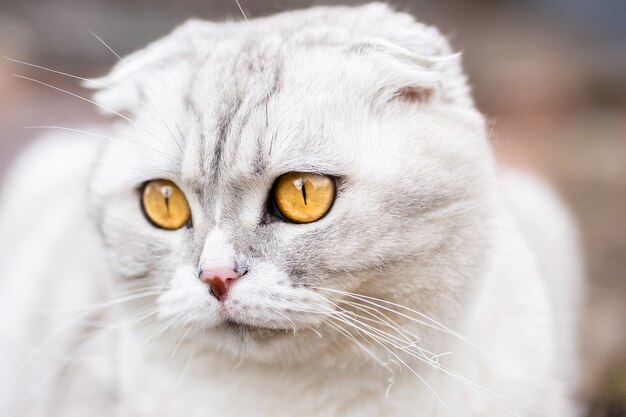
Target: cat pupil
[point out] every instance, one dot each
(167, 193)
(303, 191)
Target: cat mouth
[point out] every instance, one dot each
(258, 331)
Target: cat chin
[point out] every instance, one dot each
(245, 342)
(258, 333)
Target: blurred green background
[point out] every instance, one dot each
(550, 75)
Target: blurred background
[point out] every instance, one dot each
(550, 75)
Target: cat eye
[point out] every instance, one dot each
(303, 197)
(165, 205)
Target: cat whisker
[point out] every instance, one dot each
(401, 339)
(106, 45)
(182, 338)
(432, 360)
(127, 297)
(410, 339)
(69, 129)
(241, 10)
(313, 329)
(373, 312)
(87, 80)
(146, 344)
(192, 351)
(111, 111)
(293, 325)
(414, 350)
(374, 308)
(76, 96)
(395, 341)
(483, 391)
(96, 83)
(143, 314)
(430, 388)
(351, 337)
(386, 305)
(468, 209)
(376, 340)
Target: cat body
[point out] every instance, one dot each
(430, 288)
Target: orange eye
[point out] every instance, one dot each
(304, 197)
(165, 204)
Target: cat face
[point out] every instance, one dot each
(373, 105)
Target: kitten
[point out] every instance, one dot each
(296, 215)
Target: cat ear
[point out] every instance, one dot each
(405, 75)
(111, 98)
(413, 47)
(123, 88)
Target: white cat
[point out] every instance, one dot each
(297, 215)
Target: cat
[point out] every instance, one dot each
(293, 215)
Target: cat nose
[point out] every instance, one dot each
(219, 280)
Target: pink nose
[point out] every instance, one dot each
(219, 280)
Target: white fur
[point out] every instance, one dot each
(479, 263)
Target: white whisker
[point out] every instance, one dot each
(188, 362)
(96, 83)
(69, 129)
(241, 10)
(182, 338)
(435, 324)
(376, 340)
(415, 351)
(76, 96)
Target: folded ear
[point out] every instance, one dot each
(420, 64)
(403, 74)
(118, 97)
(123, 88)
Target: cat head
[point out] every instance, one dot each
(233, 117)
